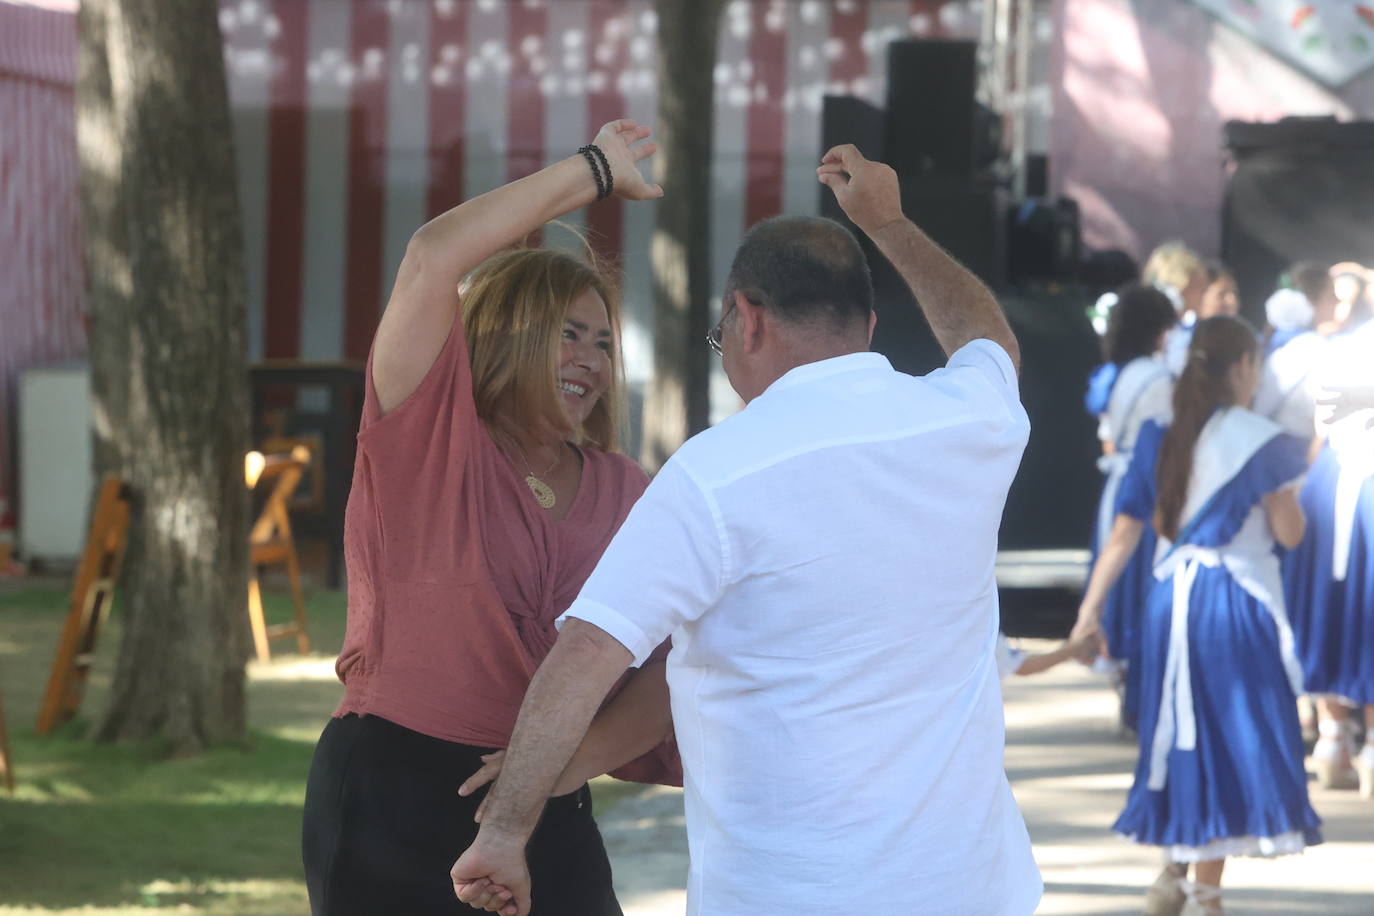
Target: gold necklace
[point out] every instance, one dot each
(543, 493)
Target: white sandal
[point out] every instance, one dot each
(1166, 896)
(1364, 767)
(1331, 757)
(1203, 899)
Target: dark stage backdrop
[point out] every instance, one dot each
(1054, 497)
(1300, 188)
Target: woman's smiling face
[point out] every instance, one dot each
(584, 366)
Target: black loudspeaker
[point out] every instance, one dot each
(1037, 175)
(930, 105)
(1300, 189)
(845, 119)
(967, 219)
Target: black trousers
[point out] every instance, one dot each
(384, 824)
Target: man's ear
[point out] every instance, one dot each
(872, 323)
(752, 320)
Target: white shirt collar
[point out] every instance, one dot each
(824, 368)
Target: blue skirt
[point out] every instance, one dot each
(1242, 790)
(1122, 615)
(1333, 622)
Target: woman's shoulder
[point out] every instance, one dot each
(1243, 422)
(617, 467)
(1275, 455)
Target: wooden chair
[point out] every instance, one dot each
(92, 592)
(6, 765)
(309, 495)
(270, 543)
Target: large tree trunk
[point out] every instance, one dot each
(677, 403)
(164, 257)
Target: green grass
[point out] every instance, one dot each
(120, 829)
(101, 829)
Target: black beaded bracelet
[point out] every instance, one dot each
(594, 162)
(606, 168)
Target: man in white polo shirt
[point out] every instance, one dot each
(823, 561)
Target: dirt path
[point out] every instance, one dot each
(1070, 773)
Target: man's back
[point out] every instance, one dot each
(834, 690)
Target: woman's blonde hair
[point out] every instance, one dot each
(513, 308)
(1173, 264)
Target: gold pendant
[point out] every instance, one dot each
(542, 491)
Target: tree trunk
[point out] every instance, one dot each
(677, 404)
(164, 257)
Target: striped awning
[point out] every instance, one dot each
(38, 40)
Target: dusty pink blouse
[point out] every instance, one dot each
(455, 574)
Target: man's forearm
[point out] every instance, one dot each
(563, 697)
(955, 302)
(634, 723)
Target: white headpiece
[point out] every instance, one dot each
(1101, 310)
(1289, 310)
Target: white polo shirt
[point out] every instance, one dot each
(824, 563)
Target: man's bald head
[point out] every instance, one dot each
(808, 271)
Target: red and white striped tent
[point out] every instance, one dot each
(356, 120)
(41, 309)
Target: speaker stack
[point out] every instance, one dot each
(1299, 189)
(945, 146)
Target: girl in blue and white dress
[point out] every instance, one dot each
(1133, 386)
(1329, 577)
(1221, 770)
(1297, 350)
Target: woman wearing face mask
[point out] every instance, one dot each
(1221, 755)
(486, 487)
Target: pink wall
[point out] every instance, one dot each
(1141, 91)
(41, 300)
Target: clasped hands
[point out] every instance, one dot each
(492, 873)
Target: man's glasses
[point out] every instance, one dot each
(713, 335)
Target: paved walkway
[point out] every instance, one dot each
(1070, 773)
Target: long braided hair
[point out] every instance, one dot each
(1218, 344)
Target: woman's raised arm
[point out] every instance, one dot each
(424, 298)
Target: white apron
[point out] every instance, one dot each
(1227, 442)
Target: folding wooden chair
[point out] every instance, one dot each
(270, 543)
(90, 603)
(6, 764)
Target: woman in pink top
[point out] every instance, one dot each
(486, 488)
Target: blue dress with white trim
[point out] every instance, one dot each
(1329, 577)
(1333, 620)
(1124, 398)
(1221, 754)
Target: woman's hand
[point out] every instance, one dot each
(1087, 639)
(625, 143)
(1346, 400)
(1086, 645)
(491, 768)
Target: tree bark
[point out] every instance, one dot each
(164, 257)
(677, 403)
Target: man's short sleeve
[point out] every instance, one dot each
(665, 566)
(992, 362)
